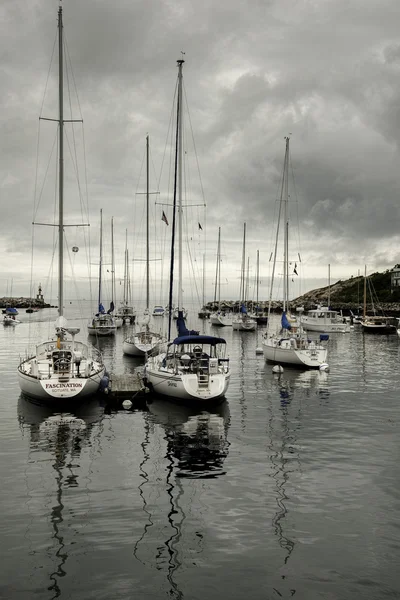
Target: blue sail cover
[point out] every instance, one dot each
(11, 311)
(243, 309)
(181, 326)
(285, 323)
(102, 310)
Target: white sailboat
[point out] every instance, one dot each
(103, 322)
(220, 317)
(290, 344)
(376, 323)
(119, 321)
(323, 319)
(194, 367)
(126, 312)
(144, 341)
(242, 321)
(61, 368)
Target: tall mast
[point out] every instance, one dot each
(217, 291)
(329, 285)
(126, 269)
(101, 254)
(180, 137)
(61, 168)
(177, 183)
(243, 276)
(258, 274)
(286, 231)
(112, 264)
(365, 291)
(147, 226)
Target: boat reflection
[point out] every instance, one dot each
(62, 435)
(196, 446)
(196, 439)
(311, 382)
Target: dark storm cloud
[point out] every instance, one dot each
(325, 72)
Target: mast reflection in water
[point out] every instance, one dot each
(196, 447)
(62, 435)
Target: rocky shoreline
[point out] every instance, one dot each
(23, 303)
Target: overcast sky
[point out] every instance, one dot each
(327, 72)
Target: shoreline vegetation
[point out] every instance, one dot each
(346, 296)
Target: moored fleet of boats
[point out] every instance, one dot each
(187, 365)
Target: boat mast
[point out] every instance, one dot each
(126, 270)
(177, 153)
(113, 290)
(61, 169)
(275, 252)
(101, 255)
(365, 291)
(286, 231)
(217, 290)
(147, 227)
(243, 275)
(180, 137)
(329, 285)
(258, 275)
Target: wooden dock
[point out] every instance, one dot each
(127, 385)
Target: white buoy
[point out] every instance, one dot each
(127, 404)
(259, 350)
(324, 367)
(277, 369)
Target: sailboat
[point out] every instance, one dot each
(220, 317)
(325, 320)
(290, 344)
(61, 368)
(144, 341)
(242, 321)
(125, 311)
(194, 367)
(258, 313)
(119, 321)
(375, 323)
(103, 322)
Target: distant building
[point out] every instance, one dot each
(39, 295)
(395, 278)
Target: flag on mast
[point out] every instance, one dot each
(164, 218)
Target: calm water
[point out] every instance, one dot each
(291, 488)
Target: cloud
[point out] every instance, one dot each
(327, 73)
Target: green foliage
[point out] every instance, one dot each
(352, 290)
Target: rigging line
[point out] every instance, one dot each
(194, 144)
(84, 208)
(55, 144)
(136, 237)
(48, 74)
(170, 125)
(68, 60)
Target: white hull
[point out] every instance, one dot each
(244, 325)
(326, 327)
(61, 370)
(101, 331)
(9, 321)
(54, 389)
(185, 386)
(140, 345)
(221, 320)
(282, 351)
